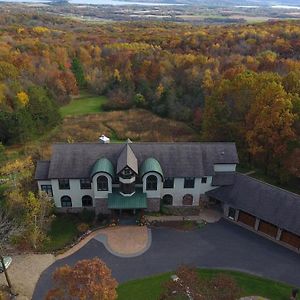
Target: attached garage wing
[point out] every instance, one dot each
(290, 239)
(268, 228)
(246, 219)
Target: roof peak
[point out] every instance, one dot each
(127, 158)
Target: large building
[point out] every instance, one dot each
(134, 175)
(113, 178)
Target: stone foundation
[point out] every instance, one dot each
(72, 210)
(101, 206)
(153, 204)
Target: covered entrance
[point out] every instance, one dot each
(127, 208)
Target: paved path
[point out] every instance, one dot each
(218, 245)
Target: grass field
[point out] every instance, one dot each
(136, 124)
(84, 104)
(150, 288)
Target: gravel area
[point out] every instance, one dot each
(25, 271)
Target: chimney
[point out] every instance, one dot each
(104, 139)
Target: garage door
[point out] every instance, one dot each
(267, 228)
(290, 238)
(246, 218)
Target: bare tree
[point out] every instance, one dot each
(7, 228)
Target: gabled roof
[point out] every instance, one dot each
(42, 169)
(151, 165)
(127, 159)
(176, 159)
(103, 165)
(267, 202)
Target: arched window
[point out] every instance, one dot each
(87, 201)
(167, 199)
(187, 199)
(151, 183)
(102, 183)
(66, 201)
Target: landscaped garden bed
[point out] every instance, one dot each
(184, 225)
(68, 229)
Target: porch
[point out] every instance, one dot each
(127, 208)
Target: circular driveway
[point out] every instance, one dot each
(219, 245)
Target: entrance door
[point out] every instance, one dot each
(127, 216)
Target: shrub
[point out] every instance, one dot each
(87, 216)
(188, 282)
(83, 227)
(102, 218)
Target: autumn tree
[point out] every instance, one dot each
(87, 279)
(269, 124)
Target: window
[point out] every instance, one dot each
(203, 179)
(189, 182)
(64, 184)
(48, 189)
(85, 184)
(102, 183)
(231, 213)
(187, 199)
(151, 183)
(169, 183)
(66, 201)
(167, 199)
(127, 171)
(87, 201)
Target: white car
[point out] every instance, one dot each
(7, 261)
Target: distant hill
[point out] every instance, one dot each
(224, 2)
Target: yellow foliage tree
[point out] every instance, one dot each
(41, 29)
(23, 98)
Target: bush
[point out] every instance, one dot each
(83, 227)
(103, 218)
(87, 216)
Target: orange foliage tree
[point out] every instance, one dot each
(88, 279)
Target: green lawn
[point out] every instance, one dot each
(150, 288)
(85, 104)
(63, 231)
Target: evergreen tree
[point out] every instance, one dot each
(77, 69)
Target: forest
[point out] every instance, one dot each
(230, 83)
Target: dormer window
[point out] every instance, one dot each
(127, 171)
(102, 183)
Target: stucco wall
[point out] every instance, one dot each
(178, 191)
(75, 192)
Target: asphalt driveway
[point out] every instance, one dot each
(218, 245)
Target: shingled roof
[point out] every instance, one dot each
(127, 159)
(42, 169)
(176, 159)
(223, 178)
(265, 201)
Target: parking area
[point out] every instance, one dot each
(219, 245)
